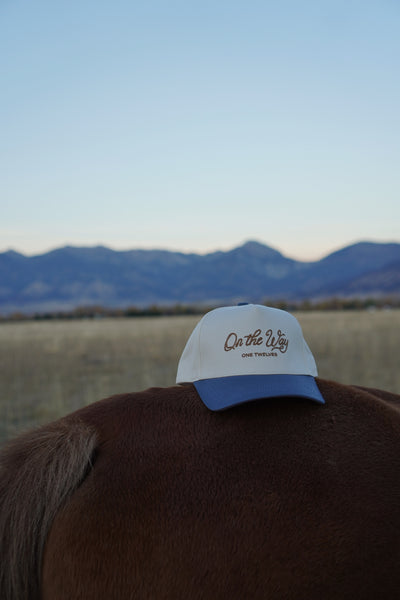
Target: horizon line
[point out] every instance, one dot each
(215, 250)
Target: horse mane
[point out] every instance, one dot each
(39, 471)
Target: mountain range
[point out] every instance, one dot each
(70, 276)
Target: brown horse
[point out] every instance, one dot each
(152, 496)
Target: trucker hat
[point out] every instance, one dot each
(248, 352)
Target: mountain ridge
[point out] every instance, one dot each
(71, 276)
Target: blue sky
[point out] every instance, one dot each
(196, 126)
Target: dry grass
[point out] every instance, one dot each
(48, 369)
(360, 348)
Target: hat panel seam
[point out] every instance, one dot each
(199, 370)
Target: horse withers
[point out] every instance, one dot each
(151, 495)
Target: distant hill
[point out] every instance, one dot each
(69, 277)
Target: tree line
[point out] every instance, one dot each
(101, 312)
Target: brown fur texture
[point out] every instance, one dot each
(277, 499)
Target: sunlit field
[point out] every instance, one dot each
(48, 369)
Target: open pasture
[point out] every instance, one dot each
(50, 368)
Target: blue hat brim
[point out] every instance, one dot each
(223, 392)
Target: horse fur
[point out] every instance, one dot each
(152, 496)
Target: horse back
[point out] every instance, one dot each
(273, 499)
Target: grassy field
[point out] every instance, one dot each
(48, 369)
